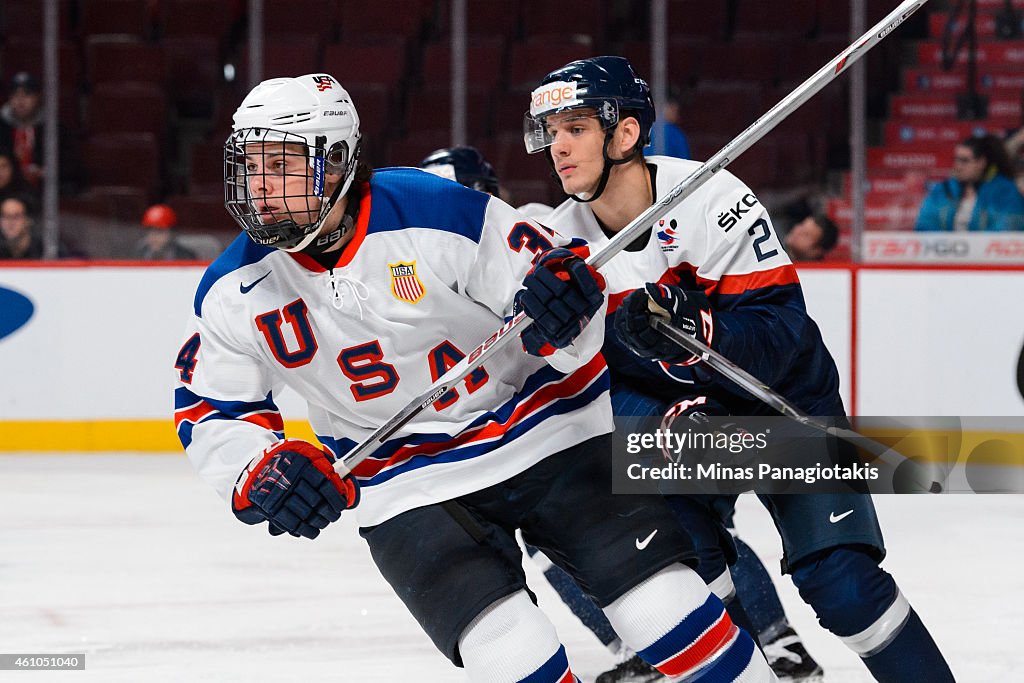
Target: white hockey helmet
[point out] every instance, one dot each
(311, 113)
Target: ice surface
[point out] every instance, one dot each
(135, 562)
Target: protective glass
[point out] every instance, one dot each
(535, 130)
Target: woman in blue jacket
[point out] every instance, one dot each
(981, 195)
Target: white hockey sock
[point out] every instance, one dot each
(674, 622)
(513, 641)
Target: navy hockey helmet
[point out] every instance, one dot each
(609, 85)
(464, 165)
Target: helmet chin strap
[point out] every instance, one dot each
(310, 244)
(607, 170)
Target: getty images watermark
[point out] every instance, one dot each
(727, 455)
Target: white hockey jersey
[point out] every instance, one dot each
(430, 273)
(719, 240)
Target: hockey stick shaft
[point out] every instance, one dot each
(766, 395)
(624, 237)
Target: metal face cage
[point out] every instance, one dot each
(274, 184)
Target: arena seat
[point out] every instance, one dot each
(194, 18)
(121, 57)
(317, 18)
(129, 17)
(792, 19)
(123, 160)
(405, 18)
(432, 108)
(484, 62)
(127, 108)
(382, 61)
(534, 58)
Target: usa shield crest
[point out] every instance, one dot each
(405, 284)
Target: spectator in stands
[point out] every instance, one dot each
(17, 227)
(22, 130)
(160, 243)
(981, 195)
(812, 238)
(12, 182)
(676, 143)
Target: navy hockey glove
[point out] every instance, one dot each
(561, 294)
(293, 486)
(688, 310)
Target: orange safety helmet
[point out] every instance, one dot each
(159, 216)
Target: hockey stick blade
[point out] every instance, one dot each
(655, 212)
(761, 391)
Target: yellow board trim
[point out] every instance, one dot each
(105, 436)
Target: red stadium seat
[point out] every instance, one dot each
(382, 62)
(759, 166)
(411, 150)
(565, 18)
(123, 160)
(834, 19)
(431, 109)
(719, 109)
(746, 60)
(203, 213)
(530, 61)
(485, 59)
(26, 54)
(510, 106)
(684, 59)
(127, 108)
(195, 18)
(788, 19)
(291, 55)
(194, 68)
(293, 17)
(125, 204)
(379, 118)
(130, 17)
(513, 163)
(24, 18)
(114, 58)
(207, 168)
(484, 19)
(698, 19)
(406, 18)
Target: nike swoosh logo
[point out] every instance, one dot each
(640, 545)
(245, 289)
(833, 517)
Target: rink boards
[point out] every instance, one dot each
(87, 351)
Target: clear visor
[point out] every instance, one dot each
(539, 130)
(273, 186)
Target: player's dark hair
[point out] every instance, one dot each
(363, 173)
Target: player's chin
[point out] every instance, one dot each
(574, 185)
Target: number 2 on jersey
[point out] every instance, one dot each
(765, 234)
